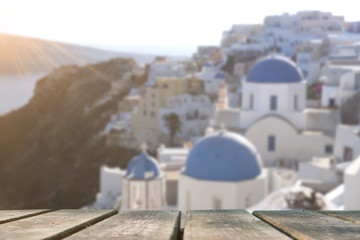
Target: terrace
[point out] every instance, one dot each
(165, 224)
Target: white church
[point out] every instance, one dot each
(274, 117)
(223, 171)
(143, 186)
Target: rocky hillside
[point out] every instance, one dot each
(22, 55)
(51, 149)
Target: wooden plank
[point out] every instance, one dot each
(351, 216)
(12, 215)
(227, 224)
(53, 225)
(145, 224)
(303, 224)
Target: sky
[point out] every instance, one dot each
(149, 26)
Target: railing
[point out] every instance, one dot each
(165, 224)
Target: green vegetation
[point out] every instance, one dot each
(229, 65)
(50, 150)
(172, 122)
(314, 90)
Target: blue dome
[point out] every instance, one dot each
(207, 64)
(223, 156)
(274, 69)
(142, 167)
(220, 75)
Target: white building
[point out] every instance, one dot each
(346, 196)
(347, 152)
(309, 58)
(314, 22)
(324, 174)
(347, 143)
(212, 77)
(144, 184)
(194, 112)
(165, 67)
(223, 171)
(319, 22)
(351, 181)
(238, 32)
(110, 188)
(274, 118)
(341, 81)
(169, 155)
(349, 85)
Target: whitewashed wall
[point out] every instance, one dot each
(232, 194)
(346, 136)
(291, 145)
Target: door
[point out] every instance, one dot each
(348, 154)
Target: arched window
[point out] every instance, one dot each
(273, 102)
(271, 143)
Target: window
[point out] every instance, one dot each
(216, 202)
(271, 143)
(348, 154)
(251, 102)
(144, 112)
(295, 102)
(273, 102)
(328, 149)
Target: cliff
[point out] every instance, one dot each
(51, 149)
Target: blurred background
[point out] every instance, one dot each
(179, 104)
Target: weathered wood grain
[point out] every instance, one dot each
(351, 216)
(53, 225)
(12, 215)
(303, 224)
(143, 224)
(227, 224)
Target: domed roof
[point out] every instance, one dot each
(274, 69)
(220, 75)
(223, 156)
(142, 167)
(207, 64)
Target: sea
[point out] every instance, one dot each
(16, 90)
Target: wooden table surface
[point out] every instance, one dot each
(165, 224)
